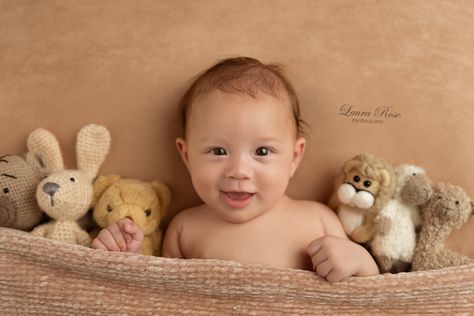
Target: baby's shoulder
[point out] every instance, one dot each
(327, 217)
(312, 208)
(192, 215)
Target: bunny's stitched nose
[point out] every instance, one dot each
(50, 188)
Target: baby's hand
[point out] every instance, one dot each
(336, 259)
(123, 236)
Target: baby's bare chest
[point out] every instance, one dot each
(276, 243)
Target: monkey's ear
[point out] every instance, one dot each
(386, 177)
(349, 165)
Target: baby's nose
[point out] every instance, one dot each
(239, 169)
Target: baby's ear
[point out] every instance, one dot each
(163, 194)
(101, 184)
(298, 152)
(182, 149)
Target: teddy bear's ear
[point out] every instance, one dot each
(164, 195)
(101, 184)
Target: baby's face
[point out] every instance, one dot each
(240, 153)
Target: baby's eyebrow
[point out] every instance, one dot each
(8, 175)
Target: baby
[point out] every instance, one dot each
(242, 143)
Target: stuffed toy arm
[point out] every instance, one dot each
(83, 238)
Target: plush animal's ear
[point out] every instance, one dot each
(101, 184)
(92, 145)
(350, 164)
(44, 151)
(386, 177)
(164, 195)
(472, 208)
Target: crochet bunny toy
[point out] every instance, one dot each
(66, 195)
(395, 238)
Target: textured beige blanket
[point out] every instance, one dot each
(41, 276)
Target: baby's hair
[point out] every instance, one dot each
(247, 76)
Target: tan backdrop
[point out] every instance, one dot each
(394, 78)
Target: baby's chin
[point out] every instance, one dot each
(237, 216)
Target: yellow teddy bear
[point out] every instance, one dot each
(145, 203)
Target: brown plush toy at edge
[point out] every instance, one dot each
(145, 203)
(19, 178)
(448, 208)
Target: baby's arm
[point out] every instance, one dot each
(171, 244)
(334, 256)
(124, 236)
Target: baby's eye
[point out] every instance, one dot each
(219, 151)
(262, 151)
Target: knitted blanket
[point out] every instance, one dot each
(44, 277)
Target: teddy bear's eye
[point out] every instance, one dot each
(457, 202)
(367, 183)
(356, 178)
(109, 208)
(147, 212)
(6, 190)
(414, 174)
(72, 179)
(439, 197)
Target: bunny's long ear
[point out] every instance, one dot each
(44, 151)
(92, 145)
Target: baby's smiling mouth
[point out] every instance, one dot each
(237, 199)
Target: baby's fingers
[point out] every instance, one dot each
(133, 235)
(97, 244)
(324, 268)
(112, 238)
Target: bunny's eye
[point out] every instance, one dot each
(6, 190)
(147, 212)
(109, 208)
(72, 179)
